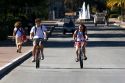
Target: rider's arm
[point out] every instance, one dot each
(32, 33)
(74, 35)
(14, 32)
(45, 34)
(44, 31)
(86, 35)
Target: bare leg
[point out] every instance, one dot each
(84, 52)
(19, 48)
(33, 53)
(42, 55)
(77, 59)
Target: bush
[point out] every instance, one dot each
(114, 15)
(120, 17)
(3, 33)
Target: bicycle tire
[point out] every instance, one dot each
(80, 60)
(37, 63)
(37, 59)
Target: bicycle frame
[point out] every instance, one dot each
(80, 54)
(38, 51)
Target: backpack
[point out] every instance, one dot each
(20, 31)
(36, 30)
(23, 37)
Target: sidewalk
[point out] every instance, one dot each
(9, 57)
(117, 22)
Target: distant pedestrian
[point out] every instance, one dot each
(107, 18)
(17, 34)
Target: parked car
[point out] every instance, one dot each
(100, 18)
(69, 24)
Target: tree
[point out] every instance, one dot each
(25, 10)
(117, 3)
(71, 5)
(112, 3)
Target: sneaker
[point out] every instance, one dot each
(42, 57)
(33, 60)
(17, 51)
(77, 60)
(85, 58)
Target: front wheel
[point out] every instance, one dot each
(80, 58)
(37, 63)
(81, 61)
(37, 59)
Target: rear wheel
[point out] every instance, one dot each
(37, 63)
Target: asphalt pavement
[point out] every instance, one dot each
(105, 63)
(9, 58)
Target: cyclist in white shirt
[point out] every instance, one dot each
(38, 32)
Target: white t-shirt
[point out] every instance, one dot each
(39, 31)
(18, 32)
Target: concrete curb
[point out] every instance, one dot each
(8, 67)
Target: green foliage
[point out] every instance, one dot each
(24, 10)
(120, 17)
(114, 15)
(3, 32)
(115, 10)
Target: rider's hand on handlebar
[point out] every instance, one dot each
(75, 40)
(86, 37)
(45, 39)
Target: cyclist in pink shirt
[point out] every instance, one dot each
(80, 35)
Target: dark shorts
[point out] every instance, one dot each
(38, 41)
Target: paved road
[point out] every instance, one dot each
(105, 62)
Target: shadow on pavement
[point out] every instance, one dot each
(106, 35)
(106, 44)
(77, 68)
(70, 44)
(11, 43)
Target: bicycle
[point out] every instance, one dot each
(81, 50)
(38, 51)
(80, 54)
